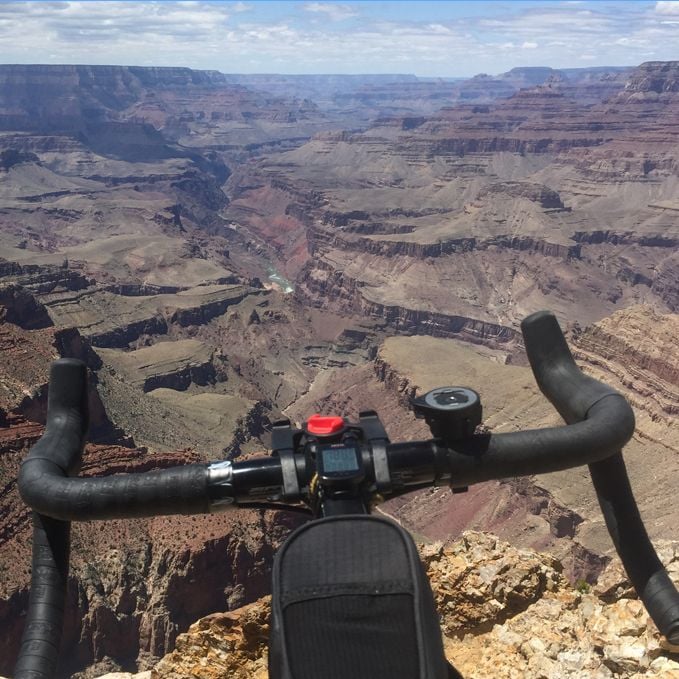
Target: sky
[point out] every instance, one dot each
(435, 39)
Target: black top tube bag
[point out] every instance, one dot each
(351, 600)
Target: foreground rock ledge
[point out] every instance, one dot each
(505, 612)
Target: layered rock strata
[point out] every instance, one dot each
(116, 320)
(637, 349)
(502, 207)
(42, 279)
(96, 100)
(173, 365)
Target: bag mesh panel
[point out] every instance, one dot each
(353, 637)
(343, 552)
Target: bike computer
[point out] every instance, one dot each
(339, 464)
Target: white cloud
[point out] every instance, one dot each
(333, 12)
(439, 28)
(546, 21)
(64, 26)
(238, 36)
(667, 7)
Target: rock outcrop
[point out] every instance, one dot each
(222, 645)
(538, 193)
(322, 285)
(29, 343)
(173, 365)
(505, 612)
(42, 280)
(113, 319)
(637, 348)
(657, 77)
(19, 307)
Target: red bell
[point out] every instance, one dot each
(324, 425)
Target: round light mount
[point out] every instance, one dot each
(452, 413)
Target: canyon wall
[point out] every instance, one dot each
(145, 217)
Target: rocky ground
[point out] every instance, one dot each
(505, 612)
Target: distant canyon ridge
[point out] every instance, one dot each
(223, 250)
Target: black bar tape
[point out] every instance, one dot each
(632, 543)
(38, 656)
(178, 490)
(570, 391)
(61, 448)
(540, 451)
(576, 396)
(67, 416)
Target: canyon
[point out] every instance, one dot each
(224, 250)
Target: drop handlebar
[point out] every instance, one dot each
(599, 423)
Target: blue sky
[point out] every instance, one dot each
(441, 38)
